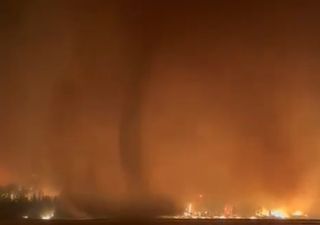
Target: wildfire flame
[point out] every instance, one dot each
(279, 213)
(262, 213)
(297, 213)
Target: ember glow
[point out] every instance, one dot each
(125, 107)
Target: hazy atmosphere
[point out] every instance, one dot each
(158, 102)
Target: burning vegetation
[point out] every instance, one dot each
(229, 213)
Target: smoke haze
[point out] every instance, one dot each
(138, 100)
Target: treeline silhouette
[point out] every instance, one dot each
(21, 202)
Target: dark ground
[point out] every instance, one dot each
(162, 222)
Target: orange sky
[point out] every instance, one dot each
(176, 99)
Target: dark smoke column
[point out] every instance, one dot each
(130, 139)
(137, 62)
(143, 41)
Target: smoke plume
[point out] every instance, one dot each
(125, 106)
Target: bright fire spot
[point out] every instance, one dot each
(297, 213)
(279, 213)
(252, 217)
(263, 212)
(189, 208)
(47, 215)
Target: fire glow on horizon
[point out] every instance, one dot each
(262, 213)
(163, 99)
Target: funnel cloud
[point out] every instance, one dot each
(138, 107)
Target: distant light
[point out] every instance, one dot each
(298, 213)
(252, 217)
(25, 217)
(47, 215)
(189, 209)
(279, 214)
(263, 212)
